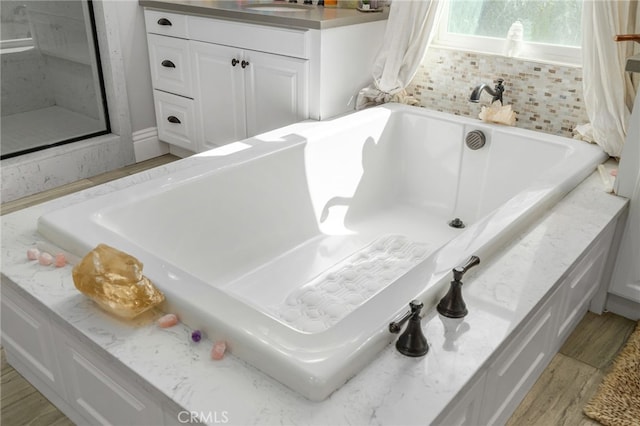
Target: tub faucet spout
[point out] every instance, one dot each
(496, 92)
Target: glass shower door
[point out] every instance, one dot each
(52, 89)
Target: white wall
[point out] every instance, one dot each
(136, 63)
(625, 281)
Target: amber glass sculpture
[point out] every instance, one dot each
(113, 279)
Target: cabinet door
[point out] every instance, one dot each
(276, 91)
(466, 408)
(26, 337)
(519, 365)
(101, 393)
(219, 82)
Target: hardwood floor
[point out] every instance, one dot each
(556, 398)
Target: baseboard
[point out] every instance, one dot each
(623, 307)
(180, 152)
(146, 144)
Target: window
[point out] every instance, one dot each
(551, 29)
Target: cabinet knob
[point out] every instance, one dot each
(167, 63)
(164, 21)
(173, 119)
(235, 62)
(244, 64)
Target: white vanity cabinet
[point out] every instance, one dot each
(218, 81)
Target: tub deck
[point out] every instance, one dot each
(257, 248)
(397, 389)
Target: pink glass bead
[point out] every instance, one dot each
(60, 260)
(33, 253)
(167, 321)
(45, 259)
(217, 352)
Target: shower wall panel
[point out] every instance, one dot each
(25, 82)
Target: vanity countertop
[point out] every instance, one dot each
(393, 389)
(270, 12)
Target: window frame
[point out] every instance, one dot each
(530, 51)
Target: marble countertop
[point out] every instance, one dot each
(304, 16)
(393, 389)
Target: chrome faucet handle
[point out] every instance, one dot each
(459, 271)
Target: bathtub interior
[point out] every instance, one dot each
(309, 233)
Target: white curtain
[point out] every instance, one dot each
(410, 28)
(608, 90)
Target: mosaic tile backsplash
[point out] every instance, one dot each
(547, 98)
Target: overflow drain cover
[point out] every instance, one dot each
(475, 139)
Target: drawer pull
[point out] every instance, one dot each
(164, 21)
(173, 119)
(234, 62)
(167, 63)
(244, 63)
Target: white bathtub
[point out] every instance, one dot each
(299, 246)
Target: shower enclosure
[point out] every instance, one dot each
(52, 89)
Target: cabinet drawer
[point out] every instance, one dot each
(170, 65)
(165, 23)
(281, 41)
(175, 116)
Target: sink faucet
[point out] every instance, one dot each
(495, 92)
